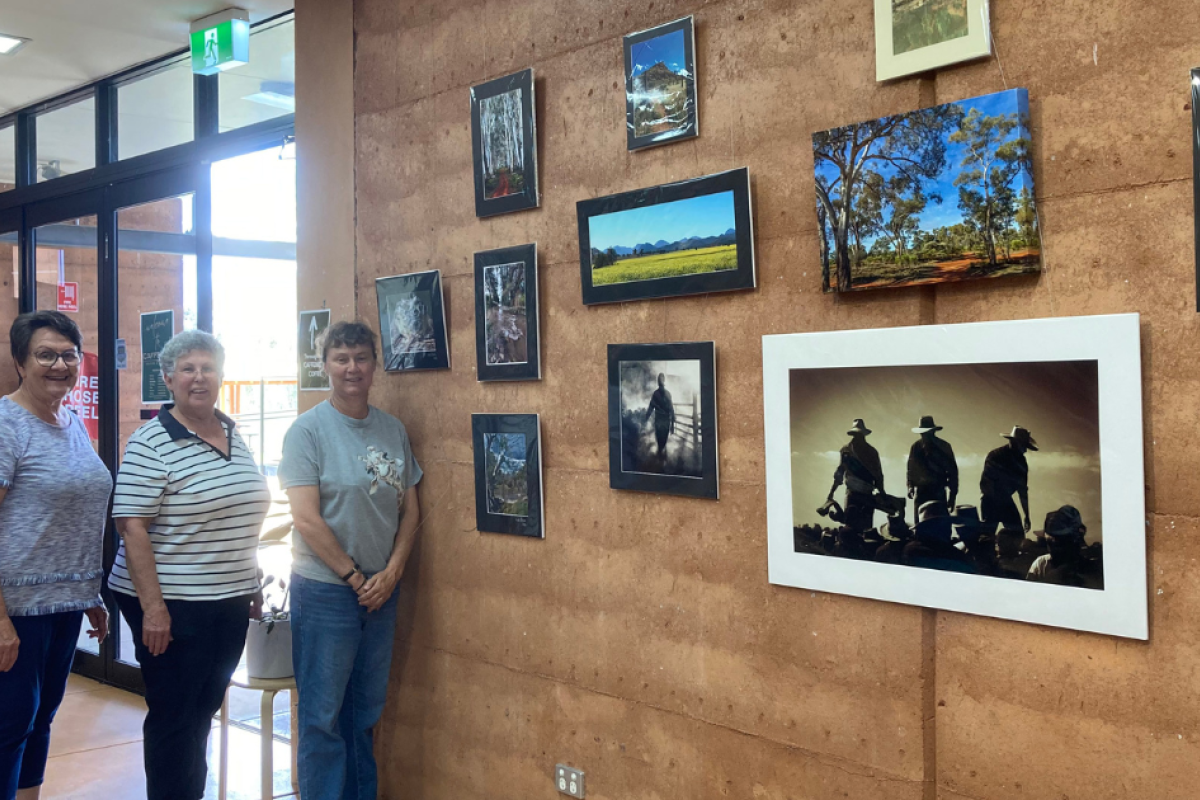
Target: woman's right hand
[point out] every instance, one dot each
(9, 643)
(156, 629)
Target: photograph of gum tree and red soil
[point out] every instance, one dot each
(936, 195)
(504, 144)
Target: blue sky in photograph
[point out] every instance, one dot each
(667, 48)
(938, 215)
(708, 215)
(511, 444)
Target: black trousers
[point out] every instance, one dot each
(185, 686)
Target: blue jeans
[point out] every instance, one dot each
(342, 656)
(30, 694)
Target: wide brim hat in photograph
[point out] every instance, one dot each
(934, 520)
(858, 427)
(926, 425)
(1064, 522)
(1023, 436)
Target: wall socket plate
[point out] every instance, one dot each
(568, 780)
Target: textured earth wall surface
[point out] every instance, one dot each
(641, 640)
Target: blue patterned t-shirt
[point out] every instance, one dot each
(52, 517)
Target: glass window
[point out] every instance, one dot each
(66, 140)
(8, 156)
(155, 111)
(266, 87)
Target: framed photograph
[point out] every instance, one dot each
(504, 140)
(660, 85)
(508, 474)
(920, 35)
(691, 237)
(312, 368)
(412, 322)
(662, 418)
(936, 195)
(1196, 173)
(506, 314)
(992, 468)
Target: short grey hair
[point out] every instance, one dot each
(187, 342)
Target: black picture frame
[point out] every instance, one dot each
(628, 460)
(676, 46)
(414, 299)
(518, 356)
(499, 93)
(1196, 173)
(494, 434)
(677, 202)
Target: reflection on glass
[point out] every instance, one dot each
(8, 158)
(266, 87)
(154, 251)
(66, 140)
(155, 111)
(124, 637)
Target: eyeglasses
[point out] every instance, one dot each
(191, 372)
(48, 358)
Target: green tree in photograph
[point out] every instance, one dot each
(896, 203)
(911, 144)
(1027, 219)
(989, 167)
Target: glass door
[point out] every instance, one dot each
(10, 291)
(154, 253)
(65, 239)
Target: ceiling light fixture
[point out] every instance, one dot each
(11, 44)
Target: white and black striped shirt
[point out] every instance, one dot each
(206, 510)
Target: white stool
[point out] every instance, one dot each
(269, 688)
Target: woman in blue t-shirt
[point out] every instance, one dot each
(351, 477)
(53, 500)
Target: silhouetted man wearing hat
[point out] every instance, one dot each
(860, 470)
(1005, 472)
(932, 468)
(663, 411)
(932, 548)
(1065, 564)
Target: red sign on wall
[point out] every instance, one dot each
(68, 297)
(84, 399)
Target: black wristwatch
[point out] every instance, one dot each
(357, 569)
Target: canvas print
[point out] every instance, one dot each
(990, 470)
(662, 418)
(508, 481)
(685, 238)
(660, 84)
(505, 150)
(936, 195)
(506, 314)
(412, 322)
(920, 35)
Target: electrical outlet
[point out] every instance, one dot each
(568, 780)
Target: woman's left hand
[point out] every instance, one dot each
(378, 588)
(98, 619)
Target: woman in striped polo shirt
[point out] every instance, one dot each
(189, 504)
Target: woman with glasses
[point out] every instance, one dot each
(351, 477)
(189, 505)
(53, 500)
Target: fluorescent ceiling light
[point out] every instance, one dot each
(10, 44)
(273, 99)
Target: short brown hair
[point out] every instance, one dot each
(24, 326)
(346, 334)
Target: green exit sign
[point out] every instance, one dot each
(220, 42)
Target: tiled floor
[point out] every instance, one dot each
(96, 746)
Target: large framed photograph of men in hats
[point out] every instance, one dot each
(991, 468)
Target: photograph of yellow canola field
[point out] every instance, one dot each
(686, 237)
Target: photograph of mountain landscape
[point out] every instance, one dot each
(660, 84)
(688, 238)
(936, 195)
(508, 473)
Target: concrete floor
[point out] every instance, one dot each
(96, 746)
